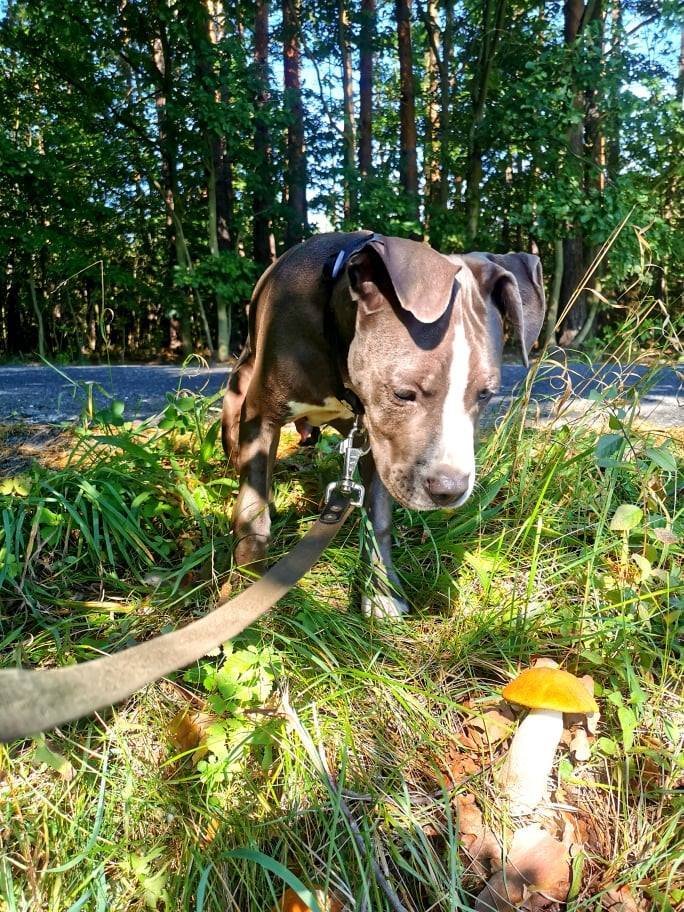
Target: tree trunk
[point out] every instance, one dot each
(349, 132)
(366, 36)
(552, 312)
(295, 179)
(492, 25)
(14, 334)
(168, 154)
(220, 190)
(613, 153)
(408, 162)
(38, 310)
(262, 197)
(583, 149)
(680, 76)
(445, 103)
(431, 151)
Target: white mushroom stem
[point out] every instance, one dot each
(530, 759)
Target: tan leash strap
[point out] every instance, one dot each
(33, 701)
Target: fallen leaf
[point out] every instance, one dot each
(461, 766)
(477, 840)
(592, 721)
(619, 899)
(502, 893)
(469, 814)
(542, 861)
(210, 831)
(187, 729)
(57, 762)
(491, 726)
(664, 535)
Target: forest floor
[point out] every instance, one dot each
(324, 750)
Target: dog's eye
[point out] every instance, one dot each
(405, 395)
(485, 395)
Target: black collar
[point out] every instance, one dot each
(332, 270)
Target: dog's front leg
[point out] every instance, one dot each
(383, 596)
(251, 519)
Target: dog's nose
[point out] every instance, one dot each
(446, 485)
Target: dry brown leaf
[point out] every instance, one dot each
(588, 682)
(210, 831)
(469, 815)
(542, 861)
(477, 840)
(491, 726)
(536, 876)
(461, 766)
(620, 899)
(592, 721)
(187, 728)
(502, 893)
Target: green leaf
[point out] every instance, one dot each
(628, 725)
(626, 517)
(209, 442)
(566, 771)
(607, 746)
(577, 870)
(55, 761)
(607, 448)
(662, 457)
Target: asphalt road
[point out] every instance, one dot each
(40, 394)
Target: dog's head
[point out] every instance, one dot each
(425, 357)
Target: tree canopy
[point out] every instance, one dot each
(156, 155)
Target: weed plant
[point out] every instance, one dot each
(320, 748)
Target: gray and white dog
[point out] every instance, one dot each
(388, 327)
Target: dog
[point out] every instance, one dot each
(350, 323)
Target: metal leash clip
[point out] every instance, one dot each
(351, 455)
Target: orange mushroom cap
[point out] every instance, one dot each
(550, 688)
(291, 902)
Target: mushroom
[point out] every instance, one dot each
(548, 693)
(290, 902)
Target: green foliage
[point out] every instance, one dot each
(96, 136)
(242, 682)
(228, 275)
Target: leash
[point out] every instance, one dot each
(33, 701)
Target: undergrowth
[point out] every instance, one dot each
(319, 748)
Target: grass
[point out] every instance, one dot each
(323, 750)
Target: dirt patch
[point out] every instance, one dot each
(22, 445)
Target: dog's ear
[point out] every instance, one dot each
(514, 284)
(423, 281)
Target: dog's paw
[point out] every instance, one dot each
(384, 606)
(250, 553)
